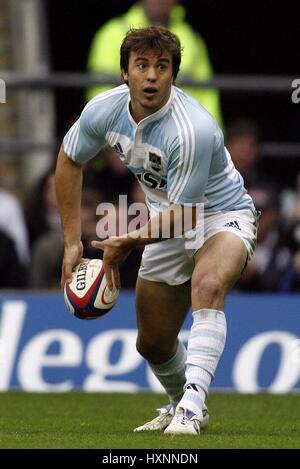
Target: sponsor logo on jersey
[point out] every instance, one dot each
(151, 180)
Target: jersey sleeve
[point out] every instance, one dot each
(85, 138)
(189, 166)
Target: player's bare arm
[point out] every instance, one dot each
(68, 181)
(172, 222)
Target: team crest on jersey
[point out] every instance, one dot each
(155, 161)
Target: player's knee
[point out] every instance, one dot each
(154, 351)
(148, 349)
(208, 287)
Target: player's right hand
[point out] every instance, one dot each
(72, 257)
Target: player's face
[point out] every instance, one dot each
(150, 78)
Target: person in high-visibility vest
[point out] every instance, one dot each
(105, 48)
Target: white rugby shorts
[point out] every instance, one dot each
(172, 261)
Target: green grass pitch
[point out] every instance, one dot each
(84, 420)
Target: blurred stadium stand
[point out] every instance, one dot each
(28, 114)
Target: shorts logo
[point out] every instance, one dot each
(233, 224)
(155, 161)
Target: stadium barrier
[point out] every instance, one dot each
(44, 348)
(282, 84)
(267, 85)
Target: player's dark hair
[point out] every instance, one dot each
(155, 38)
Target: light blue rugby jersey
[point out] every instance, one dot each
(177, 153)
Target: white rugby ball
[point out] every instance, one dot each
(88, 296)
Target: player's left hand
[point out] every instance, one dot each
(115, 252)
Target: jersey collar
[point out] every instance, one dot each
(153, 117)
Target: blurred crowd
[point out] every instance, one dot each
(31, 244)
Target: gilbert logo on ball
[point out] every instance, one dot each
(88, 296)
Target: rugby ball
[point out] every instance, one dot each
(88, 296)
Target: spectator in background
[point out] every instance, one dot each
(41, 210)
(272, 256)
(290, 202)
(47, 251)
(242, 140)
(46, 257)
(267, 268)
(12, 272)
(12, 224)
(291, 279)
(105, 47)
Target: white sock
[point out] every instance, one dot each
(171, 374)
(205, 347)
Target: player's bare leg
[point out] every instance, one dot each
(161, 311)
(218, 264)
